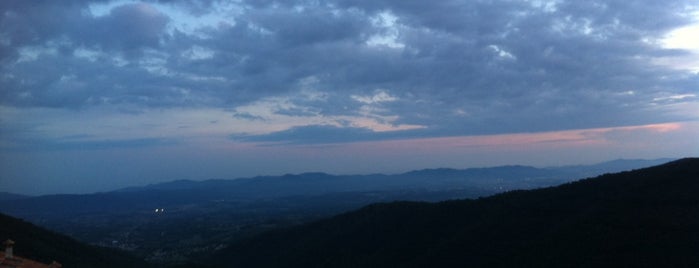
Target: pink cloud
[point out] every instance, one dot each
(567, 138)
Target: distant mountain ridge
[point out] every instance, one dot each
(11, 196)
(570, 171)
(479, 181)
(136, 218)
(641, 218)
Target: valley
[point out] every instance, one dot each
(186, 222)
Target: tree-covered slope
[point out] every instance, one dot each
(642, 218)
(45, 246)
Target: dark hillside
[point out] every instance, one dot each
(45, 246)
(642, 218)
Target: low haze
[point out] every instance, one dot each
(98, 95)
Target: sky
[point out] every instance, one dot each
(98, 95)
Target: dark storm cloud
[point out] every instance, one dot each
(126, 28)
(311, 26)
(455, 67)
(28, 23)
(51, 34)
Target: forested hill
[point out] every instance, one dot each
(643, 218)
(45, 246)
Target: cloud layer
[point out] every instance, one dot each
(337, 71)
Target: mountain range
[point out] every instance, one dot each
(642, 218)
(176, 195)
(183, 221)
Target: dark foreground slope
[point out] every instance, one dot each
(45, 246)
(642, 218)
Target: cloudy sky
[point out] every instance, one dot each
(96, 95)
